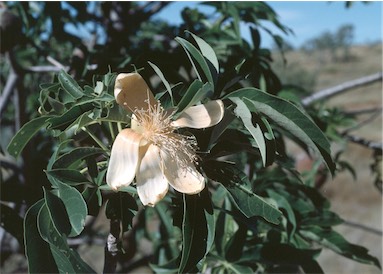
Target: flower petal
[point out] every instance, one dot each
(201, 116)
(132, 92)
(185, 179)
(152, 185)
(124, 159)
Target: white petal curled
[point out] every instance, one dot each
(201, 116)
(152, 185)
(124, 159)
(132, 92)
(185, 179)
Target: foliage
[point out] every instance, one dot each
(257, 214)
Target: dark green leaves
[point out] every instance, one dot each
(25, 134)
(35, 247)
(338, 244)
(288, 117)
(203, 60)
(75, 155)
(121, 206)
(67, 260)
(198, 228)
(237, 184)
(70, 85)
(75, 206)
(245, 115)
(287, 255)
(46, 249)
(196, 92)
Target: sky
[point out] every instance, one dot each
(307, 19)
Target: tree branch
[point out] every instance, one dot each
(329, 92)
(364, 111)
(13, 78)
(363, 123)
(364, 227)
(361, 141)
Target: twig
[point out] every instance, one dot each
(363, 111)
(55, 62)
(12, 80)
(363, 123)
(366, 228)
(361, 141)
(44, 69)
(329, 92)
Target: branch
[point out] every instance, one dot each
(363, 111)
(361, 141)
(363, 123)
(329, 92)
(12, 80)
(364, 227)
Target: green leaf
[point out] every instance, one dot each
(55, 154)
(321, 218)
(64, 120)
(83, 120)
(194, 94)
(115, 114)
(233, 249)
(58, 212)
(25, 134)
(164, 81)
(340, 245)
(168, 231)
(70, 85)
(75, 206)
(67, 259)
(75, 155)
(93, 199)
(287, 255)
(210, 218)
(35, 247)
(69, 176)
(121, 206)
(238, 185)
(284, 204)
(192, 51)
(288, 117)
(195, 231)
(244, 114)
(207, 51)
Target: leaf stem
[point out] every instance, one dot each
(94, 137)
(111, 129)
(101, 163)
(119, 126)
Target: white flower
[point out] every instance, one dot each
(152, 151)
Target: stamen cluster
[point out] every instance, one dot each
(155, 125)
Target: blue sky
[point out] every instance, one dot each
(306, 19)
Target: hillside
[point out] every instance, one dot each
(357, 201)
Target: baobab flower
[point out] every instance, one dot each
(151, 151)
